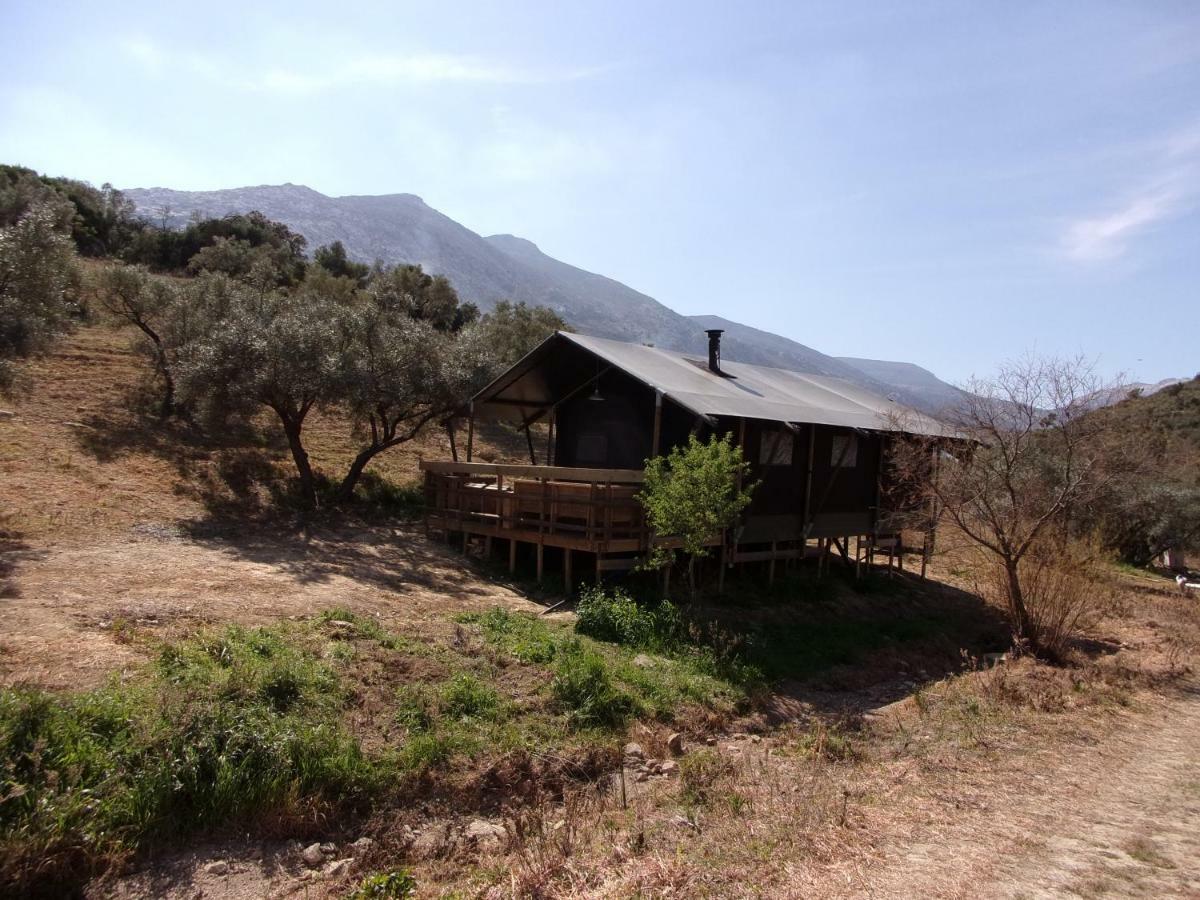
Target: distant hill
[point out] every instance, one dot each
(397, 228)
(909, 379)
(1171, 413)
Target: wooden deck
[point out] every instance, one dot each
(593, 511)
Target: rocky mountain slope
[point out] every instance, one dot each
(403, 228)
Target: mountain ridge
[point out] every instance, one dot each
(402, 227)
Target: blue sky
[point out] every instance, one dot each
(948, 183)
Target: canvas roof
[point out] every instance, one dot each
(752, 392)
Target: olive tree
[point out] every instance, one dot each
(38, 276)
(129, 294)
(691, 496)
(274, 350)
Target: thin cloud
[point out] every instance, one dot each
(1172, 193)
(1108, 236)
(381, 70)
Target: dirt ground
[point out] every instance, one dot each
(1113, 816)
(111, 539)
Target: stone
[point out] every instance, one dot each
(755, 739)
(312, 856)
(329, 848)
(640, 775)
(670, 767)
(218, 867)
(485, 834)
(363, 844)
(7, 414)
(430, 841)
(339, 867)
(643, 661)
(710, 741)
(683, 822)
(634, 751)
(675, 744)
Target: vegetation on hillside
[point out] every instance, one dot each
(247, 324)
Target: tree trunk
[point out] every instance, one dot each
(308, 485)
(1022, 625)
(345, 490)
(167, 407)
(691, 570)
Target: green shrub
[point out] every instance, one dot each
(583, 686)
(618, 618)
(231, 726)
(395, 885)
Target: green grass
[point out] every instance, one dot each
(395, 885)
(236, 725)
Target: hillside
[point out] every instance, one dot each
(909, 380)
(1171, 414)
(403, 228)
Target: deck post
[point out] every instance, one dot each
(771, 566)
(450, 426)
(541, 556)
(470, 429)
(512, 555)
(529, 441)
(567, 568)
(721, 570)
(550, 439)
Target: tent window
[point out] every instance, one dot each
(591, 448)
(776, 448)
(844, 444)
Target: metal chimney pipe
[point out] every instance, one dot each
(714, 349)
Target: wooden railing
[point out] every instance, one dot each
(581, 508)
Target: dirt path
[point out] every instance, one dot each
(1120, 819)
(72, 614)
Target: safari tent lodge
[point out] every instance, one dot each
(816, 445)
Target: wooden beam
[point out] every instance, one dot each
(557, 473)
(550, 440)
(450, 424)
(470, 430)
(812, 449)
(657, 434)
(529, 440)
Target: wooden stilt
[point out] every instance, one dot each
(487, 546)
(471, 430)
(541, 561)
(599, 570)
(721, 571)
(567, 568)
(512, 555)
(771, 566)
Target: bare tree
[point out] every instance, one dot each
(131, 295)
(1029, 452)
